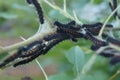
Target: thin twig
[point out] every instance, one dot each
(64, 6)
(75, 16)
(23, 43)
(115, 75)
(43, 71)
(89, 64)
(66, 14)
(113, 29)
(106, 21)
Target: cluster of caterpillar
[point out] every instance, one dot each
(69, 31)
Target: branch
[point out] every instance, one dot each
(27, 41)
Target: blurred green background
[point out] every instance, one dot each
(17, 19)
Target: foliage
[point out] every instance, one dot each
(19, 19)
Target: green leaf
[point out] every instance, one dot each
(95, 75)
(2, 55)
(61, 76)
(76, 57)
(8, 15)
(85, 77)
(22, 7)
(100, 75)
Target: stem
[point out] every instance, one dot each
(75, 16)
(62, 11)
(27, 41)
(43, 71)
(115, 75)
(64, 6)
(38, 63)
(91, 1)
(89, 64)
(106, 21)
(113, 29)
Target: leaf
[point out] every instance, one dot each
(76, 57)
(56, 14)
(94, 75)
(100, 75)
(85, 77)
(8, 15)
(22, 7)
(61, 76)
(2, 55)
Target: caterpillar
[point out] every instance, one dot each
(94, 47)
(95, 41)
(108, 52)
(30, 52)
(95, 28)
(43, 51)
(25, 50)
(62, 29)
(70, 25)
(113, 41)
(53, 36)
(38, 9)
(11, 58)
(114, 60)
